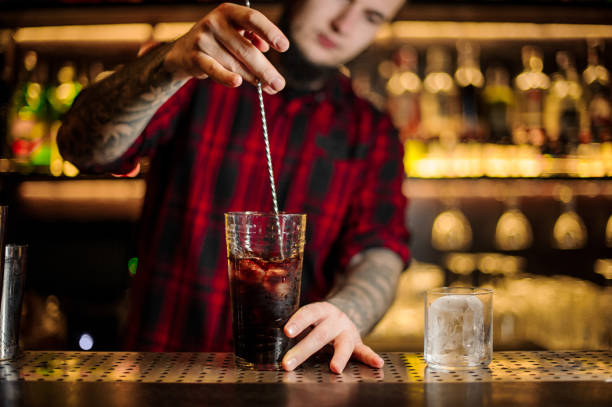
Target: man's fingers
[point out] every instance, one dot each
(251, 58)
(304, 317)
(215, 70)
(315, 340)
(257, 41)
(253, 20)
(343, 349)
(221, 54)
(366, 355)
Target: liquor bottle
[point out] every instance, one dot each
(470, 80)
(498, 102)
(531, 88)
(27, 119)
(565, 112)
(598, 93)
(403, 93)
(439, 100)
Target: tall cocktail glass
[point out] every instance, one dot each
(264, 253)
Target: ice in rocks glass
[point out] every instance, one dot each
(265, 273)
(458, 327)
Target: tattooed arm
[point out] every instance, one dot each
(107, 117)
(354, 308)
(369, 288)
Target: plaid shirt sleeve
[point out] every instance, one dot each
(377, 214)
(160, 127)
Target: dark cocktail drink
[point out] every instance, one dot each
(265, 293)
(265, 254)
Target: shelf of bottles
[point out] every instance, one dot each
(461, 119)
(470, 100)
(34, 116)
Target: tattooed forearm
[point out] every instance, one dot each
(108, 116)
(369, 288)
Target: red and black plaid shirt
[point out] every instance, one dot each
(335, 159)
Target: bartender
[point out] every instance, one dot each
(186, 106)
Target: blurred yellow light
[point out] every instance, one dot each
(596, 73)
(65, 91)
(410, 81)
(33, 91)
(65, 74)
(536, 63)
(57, 167)
(102, 75)
(489, 263)
(30, 60)
(394, 86)
(80, 33)
(70, 170)
(386, 68)
(532, 80)
(469, 76)
(436, 82)
(461, 263)
(490, 30)
(560, 88)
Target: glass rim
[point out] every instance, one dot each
(460, 291)
(264, 214)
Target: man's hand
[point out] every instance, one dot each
(227, 45)
(331, 325)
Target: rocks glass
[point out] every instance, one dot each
(458, 327)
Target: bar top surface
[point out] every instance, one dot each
(128, 378)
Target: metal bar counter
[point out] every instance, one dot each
(541, 378)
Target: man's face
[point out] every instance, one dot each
(332, 32)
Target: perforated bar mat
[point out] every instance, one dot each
(545, 366)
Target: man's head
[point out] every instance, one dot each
(332, 32)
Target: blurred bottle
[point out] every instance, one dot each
(61, 97)
(598, 93)
(470, 80)
(498, 101)
(531, 87)
(439, 100)
(403, 93)
(565, 116)
(28, 127)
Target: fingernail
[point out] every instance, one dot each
(281, 44)
(290, 364)
(380, 362)
(269, 90)
(277, 84)
(291, 330)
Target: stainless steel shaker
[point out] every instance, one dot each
(12, 298)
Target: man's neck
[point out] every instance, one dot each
(299, 72)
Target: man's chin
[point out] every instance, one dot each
(322, 60)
